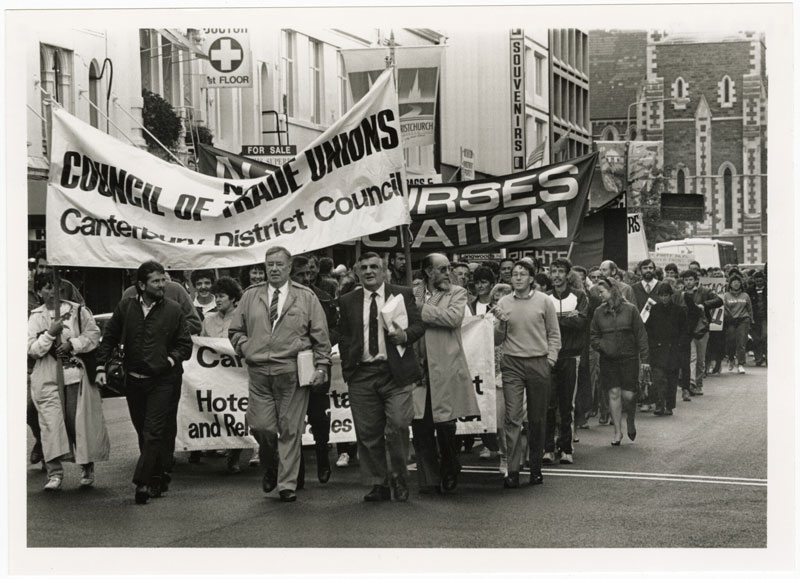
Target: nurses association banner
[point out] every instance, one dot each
(417, 84)
(542, 208)
(113, 205)
(214, 396)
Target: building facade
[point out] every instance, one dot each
(705, 97)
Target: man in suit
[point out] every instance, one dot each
(644, 290)
(380, 379)
(272, 324)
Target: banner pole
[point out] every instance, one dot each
(141, 126)
(58, 340)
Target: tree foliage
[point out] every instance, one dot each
(161, 120)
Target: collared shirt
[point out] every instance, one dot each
(145, 308)
(205, 308)
(380, 300)
(284, 292)
(648, 286)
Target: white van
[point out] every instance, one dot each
(708, 252)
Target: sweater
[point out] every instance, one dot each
(532, 327)
(737, 305)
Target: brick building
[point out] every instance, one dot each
(705, 96)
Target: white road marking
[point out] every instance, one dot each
(668, 477)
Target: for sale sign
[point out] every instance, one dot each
(229, 63)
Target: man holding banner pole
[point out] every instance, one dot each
(273, 323)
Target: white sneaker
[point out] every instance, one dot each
(485, 454)
(503, 465)
(255, 461)
(343, 460)
(548, 458)
(741, 370)
(53, 483)
(566, 458)
(87, 476)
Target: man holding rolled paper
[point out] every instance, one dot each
(380, 370)
(274, 326)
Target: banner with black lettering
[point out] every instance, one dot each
(113, 205)
(214, 395)
(417, 85)
(542, 207)
(717, 285)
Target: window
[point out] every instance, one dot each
(680, 93)
(610, 133)
(55, 73)
(289, 72)
(680, 88)
(727, 93)
(541, 131)
(539, 74)
(727, 184)
(681, 181)
(315, 70)
(145, 58)
(166, 70)
(344, 89)
(94, 95)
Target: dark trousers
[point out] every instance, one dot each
(562, 401)
(172, 425)
(736, 330)
(583, 398)
(716, 349)
(525, 378)
(759, 333)
(382, 413)
(32, 418)
(665, 386)
(318, 416)
(150, 404)
(434, 463)
(684, 360)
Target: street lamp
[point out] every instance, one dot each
(628, 116)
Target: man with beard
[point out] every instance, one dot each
(155, 335)
(397, 268)
(643, 292)
(446, 392)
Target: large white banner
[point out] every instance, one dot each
(113, 205)
(214, 396)
(417, 80)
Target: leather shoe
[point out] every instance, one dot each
(536, 478)
(323, 463)
(287, 496)
(379, 493)
(270, 481)
(142, 495)
(603, 420)
(36, 454)
(511, 481)
(658, 412)
(450, 482)
(323, 473)
(685, 396)
(400, 489)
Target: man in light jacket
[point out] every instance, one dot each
(446, 391)
(272, 324)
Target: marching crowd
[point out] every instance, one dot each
(571, 343)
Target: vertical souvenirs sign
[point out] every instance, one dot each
(417, 85)
(517, 64)
(110, 203)
(229, 64)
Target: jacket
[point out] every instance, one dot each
(301, 326)
(405, 369)
(452, 391)
(176, 292)
(91, 440)
(331, 309)
(708, 299)
(666, 333)
(640, 296)
(759, 305)
(619, 335)
(574, 327)
(149, 342)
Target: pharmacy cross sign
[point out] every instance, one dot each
(225, 54)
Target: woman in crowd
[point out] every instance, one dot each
(483, 278)
(527, 326)
(666, 333)
(252, 274)
(617, 332)
(68, 403)
(738, 318)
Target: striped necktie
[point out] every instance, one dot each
(273, 307)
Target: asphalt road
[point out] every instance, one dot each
(696, 479)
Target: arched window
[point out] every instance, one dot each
(726, 95)
(726, 89)
(727, 184)
(610, 133)
(633, 133)
(681, 179)
(94, 95)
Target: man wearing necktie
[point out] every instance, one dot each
(380, 377)
(272, 324)
(642, 292)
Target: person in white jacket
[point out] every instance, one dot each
(68, 403)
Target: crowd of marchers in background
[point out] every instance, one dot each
(571, 343)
